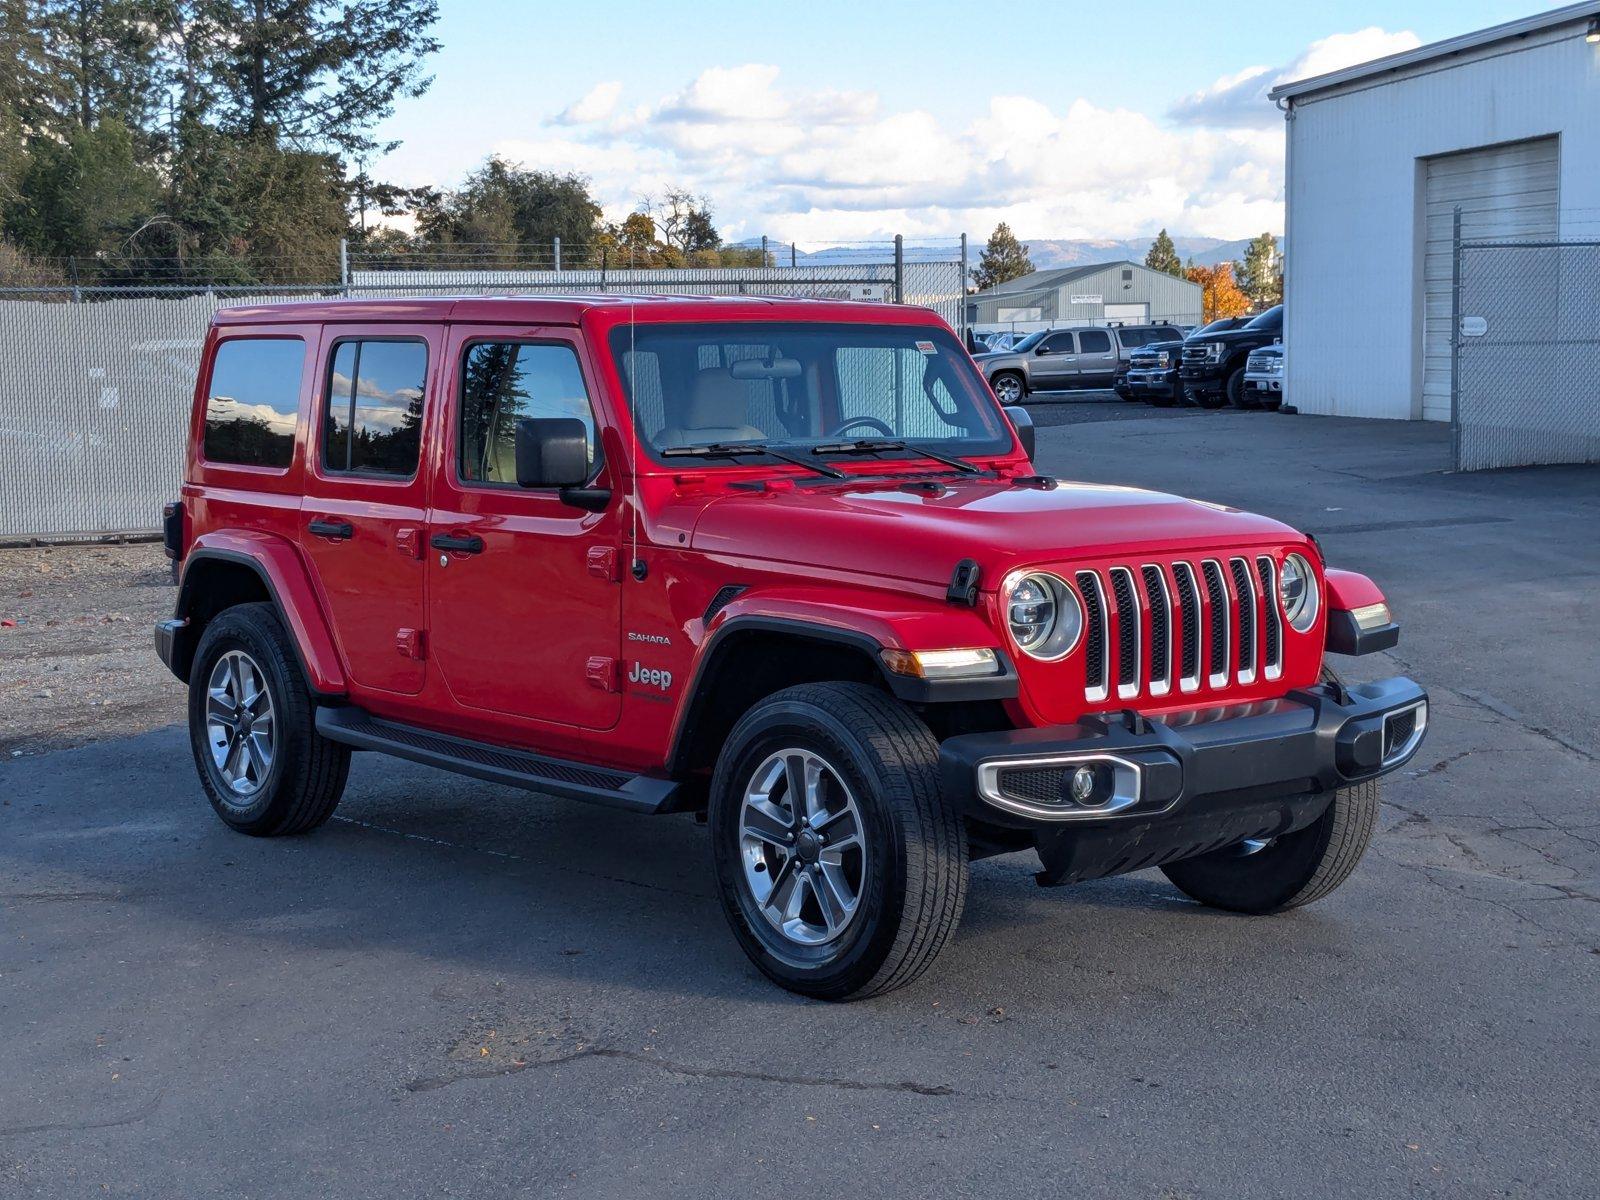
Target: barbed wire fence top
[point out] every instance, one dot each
(97, 379)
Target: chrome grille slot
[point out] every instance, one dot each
(1246, 623)
(1160, 600)
(1217, 597)
(1096, 683)
(1189, 627)
(1127, 632)
(1272, 667)
(1214, 624)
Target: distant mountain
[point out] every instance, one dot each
(1046, 253)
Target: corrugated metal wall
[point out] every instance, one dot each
(1357, 222)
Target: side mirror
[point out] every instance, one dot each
(553, 452)
(1024, 423)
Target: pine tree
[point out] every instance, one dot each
(1163, 256)
(1003, 259)
(1261, 273)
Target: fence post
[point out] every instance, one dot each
(604, 256)
(899, 271)
(961, 291)
(344, 266)
(1455, 339)
(72, 269)
(793, 255)
(557, 242)
(765, 261)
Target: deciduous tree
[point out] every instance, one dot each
(1219, 294)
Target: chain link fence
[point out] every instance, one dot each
(1525, 353)
(96, 382)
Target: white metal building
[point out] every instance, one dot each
(1504, 123)
(1114, 293)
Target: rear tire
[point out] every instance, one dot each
(1292, 870)
(848, 883)
(252, 728)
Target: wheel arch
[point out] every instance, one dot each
(794, 651)
(221, 574)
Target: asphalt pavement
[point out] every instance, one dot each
(455, 989)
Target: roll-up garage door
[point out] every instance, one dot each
(1505, 191)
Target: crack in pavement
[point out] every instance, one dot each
(675, 1068)
(138, 1114)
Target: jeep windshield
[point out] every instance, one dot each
(804, 390)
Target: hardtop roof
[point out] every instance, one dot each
(566, 309)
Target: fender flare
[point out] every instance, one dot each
(1348, 591)
(909, 689)
(277, 563)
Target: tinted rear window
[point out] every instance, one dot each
(254, 401)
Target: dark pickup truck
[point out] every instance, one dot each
(1213, 366)
(1152, 374)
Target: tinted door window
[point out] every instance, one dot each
(1058, 343)
(503, 382)
(254, 401)
(1094, 341)
(374, 422)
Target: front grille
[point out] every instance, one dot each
(1184, 626)
(1194, 355)
(1036, 785)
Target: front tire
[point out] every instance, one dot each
(1237, 395)
(1289, 871)
(1009, 387)
(841, 870)
(252, 727)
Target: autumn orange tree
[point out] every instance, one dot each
(1219, 293)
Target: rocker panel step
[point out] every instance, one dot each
(361, 730)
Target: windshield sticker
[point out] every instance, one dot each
(926, 347)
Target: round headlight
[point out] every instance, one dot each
(1043, 615)
(1297, 592)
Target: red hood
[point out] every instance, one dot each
(879, 529)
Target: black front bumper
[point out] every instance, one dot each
(1312, 741)
(1186, 785)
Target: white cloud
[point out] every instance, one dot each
(1240, 100)
(821, 166)
(596, 105)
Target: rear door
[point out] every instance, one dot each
(1097, 358)
(365, 496)
(524, 590)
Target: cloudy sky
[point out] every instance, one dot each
(827, 121)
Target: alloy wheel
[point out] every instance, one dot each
(241, 728)
(801, 843)
(1007, 389)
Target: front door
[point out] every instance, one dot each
(524, 590)
(365, 499)
(1097, 358)
(1055, 362)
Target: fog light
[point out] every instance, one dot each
(1092, 785)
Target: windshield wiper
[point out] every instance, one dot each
(874, 445)
(745, 449)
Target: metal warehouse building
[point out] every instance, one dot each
(1503, 124)
(1100, 293)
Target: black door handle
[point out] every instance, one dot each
(332, 529)
(470, 544)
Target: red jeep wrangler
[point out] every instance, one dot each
(782, 563)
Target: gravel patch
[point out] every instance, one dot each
(76, 658)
